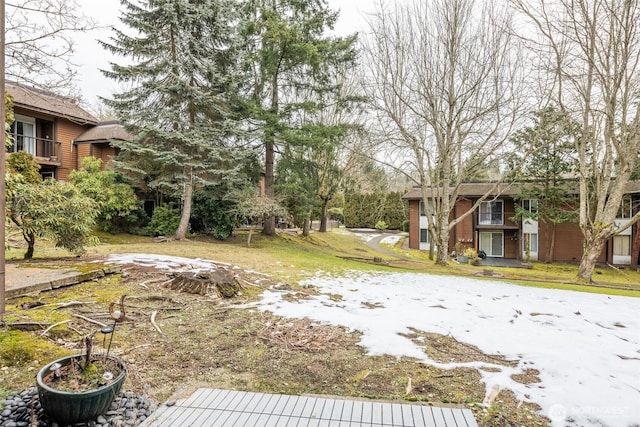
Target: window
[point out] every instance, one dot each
(530, 205)
(491, 213)
(622, 245)
(424, 235)
(530, 242)
(625, 211)
(423, 212)
(23, 131)
(492, 243)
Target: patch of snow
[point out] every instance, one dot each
(166, 262)
(391, 239)
(586, 346)
(366, 234)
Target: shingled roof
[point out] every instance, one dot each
(469, 189)
(49, 103)
(478, 189)
(105, 132)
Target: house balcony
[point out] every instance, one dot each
(45, 151)
(496, 220)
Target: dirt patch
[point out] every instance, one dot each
(446, 349)
(227, 343)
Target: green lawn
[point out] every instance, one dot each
(290, 257)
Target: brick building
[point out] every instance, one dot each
(492, 229)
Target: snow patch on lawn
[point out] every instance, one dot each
(392, 239)
(166, 262)
(586, 346)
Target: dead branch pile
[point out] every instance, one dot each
(301, 334)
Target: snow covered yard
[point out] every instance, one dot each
(586, 346)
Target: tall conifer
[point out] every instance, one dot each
(290, 57)
(180, 84)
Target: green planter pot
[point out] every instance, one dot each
(67, 407)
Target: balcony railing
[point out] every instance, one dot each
(490, 218)
(44, 150)
(496, 218)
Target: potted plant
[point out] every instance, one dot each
(70, 393)
(81, 387)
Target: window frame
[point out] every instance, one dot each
(482, 211)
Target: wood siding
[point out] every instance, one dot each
(568, 241)
(414, 224)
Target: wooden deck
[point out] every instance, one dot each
(224, 408)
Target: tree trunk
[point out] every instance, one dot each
(324, 215)
(306, 228)
(181, 233)
(635, 250)
(442, 244)
(551, 243)
(31, 243)
(249, 237)
(269, 227)
(29, 253)
(589, 259)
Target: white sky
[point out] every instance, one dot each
(91, 57)
(586, 346)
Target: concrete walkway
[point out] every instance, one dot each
(22, 279)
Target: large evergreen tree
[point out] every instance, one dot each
(547, 162)
(289, 60)
(181, 85)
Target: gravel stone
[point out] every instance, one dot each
(23, 408)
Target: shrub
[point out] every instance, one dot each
(470, 253)
(213, 216)
(381, 225)
(165, 221)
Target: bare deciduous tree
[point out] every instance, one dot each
(444, 80)
(591, 48)
(40, 42)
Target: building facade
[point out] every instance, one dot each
(491, 228)
(57, 131)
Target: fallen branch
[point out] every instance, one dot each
(29, 305)
(70, 304)
(155, 325)
(616, 269)
(76, 331)
(53, 326)
(247, 283)
(627, 357)
(156, 297)
(129, 350)
(86, 319)
(146, 282)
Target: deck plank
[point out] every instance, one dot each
(229, 408)
(449, 420)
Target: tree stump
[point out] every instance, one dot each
(222, 282)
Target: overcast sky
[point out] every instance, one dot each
(90, 57)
